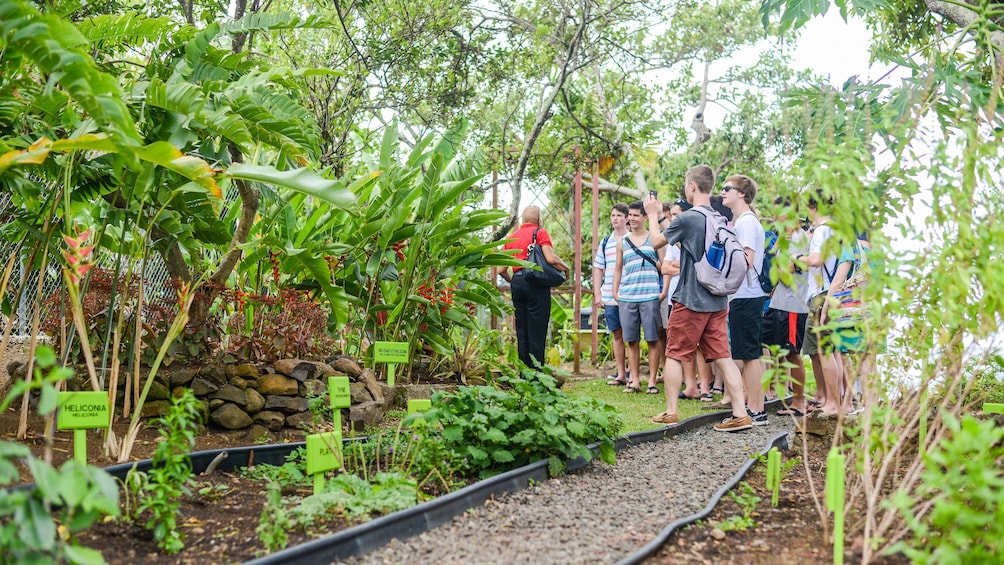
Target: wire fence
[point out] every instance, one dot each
(156, 279)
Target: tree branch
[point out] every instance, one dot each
(543, 115)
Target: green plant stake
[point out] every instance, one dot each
(419, 405)
(993, 408)
(922, 425)
(324, 452)
(392, 353)
(774, 475)
(340, 397)
(835, 501)
(80, 411)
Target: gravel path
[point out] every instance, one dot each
(598, 514)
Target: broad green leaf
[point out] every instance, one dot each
(300, 180)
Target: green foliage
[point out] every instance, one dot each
(987, 381)
(171, 474)
(79, 494)
(747, 500)
(962, 490)
(275, 520)
(47, 375)
(410, 263)
(289, 474)
(494, 429)
(289, 324)
(354, 497)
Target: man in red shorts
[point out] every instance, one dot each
(698, 317)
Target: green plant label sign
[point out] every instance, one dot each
(390, 352)
(324, 452)
(340, 395)
(419, 405)
(81, 410)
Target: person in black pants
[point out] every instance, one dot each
(532, 303)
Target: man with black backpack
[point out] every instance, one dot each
(746, 306)
(700, 303)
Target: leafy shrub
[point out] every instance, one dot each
(266, 328)
(289, 474)
(988, 381)
(493, 430)
(415, 448)
(963, 486)
(274, 520)
(355, 497)
(171, 474)
(28, 531)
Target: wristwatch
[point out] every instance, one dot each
(662, 219)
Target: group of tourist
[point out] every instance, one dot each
(645, 280)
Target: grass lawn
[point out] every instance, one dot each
(635, 409)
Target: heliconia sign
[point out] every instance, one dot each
(83, 410)
(80, 411)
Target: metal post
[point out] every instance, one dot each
(596, 240)
(577, 238)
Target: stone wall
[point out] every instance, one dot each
(238, 396)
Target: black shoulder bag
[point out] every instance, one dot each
(544, 274)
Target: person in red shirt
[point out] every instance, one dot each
(532, 303)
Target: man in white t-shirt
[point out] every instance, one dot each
(822, 263)
(603, 279)
(746, 306)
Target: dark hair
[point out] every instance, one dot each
(620, 207)
(716, 203)
(703, 176)
(636, 205)
(818, 197)
(667, 206)
(683, 204)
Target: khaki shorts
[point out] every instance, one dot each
(816, 340)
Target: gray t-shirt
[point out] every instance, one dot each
(688, 229)
(792, 298)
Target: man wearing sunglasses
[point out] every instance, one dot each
(747, 304)
(698, 317)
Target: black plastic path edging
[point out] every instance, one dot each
(781, 441)
(410, 522)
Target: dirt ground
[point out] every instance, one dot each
(220, 524)
(791, 534)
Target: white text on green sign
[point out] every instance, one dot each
(83, 409)
(390, 352)
(324, 452)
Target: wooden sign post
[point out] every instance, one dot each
(324, 452)
(81, 411)
(341, 397)
(392, 353)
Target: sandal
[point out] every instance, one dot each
(790, 412)
(715, 390)
(707, 397)
(631, 389)
(616, 382)
(652, 390)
